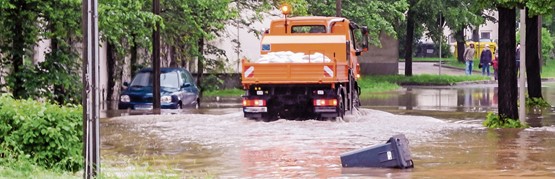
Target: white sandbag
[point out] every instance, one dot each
(290, 57)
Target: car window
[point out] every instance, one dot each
(142, 80)
(189, 78)
(169, 80)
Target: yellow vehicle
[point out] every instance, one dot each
(479, 46)
(308, 69)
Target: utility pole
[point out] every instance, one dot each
(440, 40)
(91, 93)
(522, 71)
(338, 8)
(156, 60)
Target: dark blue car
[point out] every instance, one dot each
(177, 90)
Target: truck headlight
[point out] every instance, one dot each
(166, 99)
(125, 98)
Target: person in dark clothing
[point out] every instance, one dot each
(495, 64)
(517, 57)
(485, 60)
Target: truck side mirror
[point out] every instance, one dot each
(358, 52)
(185, 85)
(364, 38)
(126, 84)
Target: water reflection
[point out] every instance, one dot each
(444, 99)
(461, 103)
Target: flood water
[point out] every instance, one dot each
(220, 143)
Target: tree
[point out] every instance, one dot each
(19, 33)
(410, 37)
(379, 16)
(55, 77)
(535, 8)
(126, 26)
(27, 22)
(205, 21)
(507, 66)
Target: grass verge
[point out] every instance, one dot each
(23, 168)
(224, 93)
(371, 84)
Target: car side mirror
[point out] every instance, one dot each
(186, 85)
(126, 84)
(358, 52)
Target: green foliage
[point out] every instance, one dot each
(548, 43)
(126, 23)
(23, 167)
(23, 23)
(51, 135)
(379, 16)
(392, 82)
(495, 121)
(225, 93)
(537, 102)
(211, 83)
(540, 7)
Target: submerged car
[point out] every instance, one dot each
(177, 90)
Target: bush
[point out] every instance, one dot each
(537, 102)
(494, 121)
(51, 135)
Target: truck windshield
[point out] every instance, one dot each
(308, 29)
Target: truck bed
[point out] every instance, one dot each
(294, 73)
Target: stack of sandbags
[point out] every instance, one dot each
(290, 57)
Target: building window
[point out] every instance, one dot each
(485, 35)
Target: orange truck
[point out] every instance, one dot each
(308, 69)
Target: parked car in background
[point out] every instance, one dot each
(177, 90)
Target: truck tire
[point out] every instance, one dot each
(340, 106)
(356, 99)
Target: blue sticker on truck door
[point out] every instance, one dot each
(266, 47)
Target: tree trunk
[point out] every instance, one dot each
(134, 55)
(111, 64)
(507, 66)
(476, 34)
(459, 36)
(59, 91)
(409, 41)
(173, 59)
(200, 65)
(18, 50)
(532, 57)
(338, 8)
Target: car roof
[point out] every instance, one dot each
(162, 70)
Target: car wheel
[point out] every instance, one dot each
(197, 105)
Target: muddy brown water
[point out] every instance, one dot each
(219, 142)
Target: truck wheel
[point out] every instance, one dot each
(340, 106)
(356, 100)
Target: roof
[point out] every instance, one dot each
(310, 18)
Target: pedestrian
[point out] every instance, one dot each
(495, 64)
(517, 57)
(485, 60)
(468, 57)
